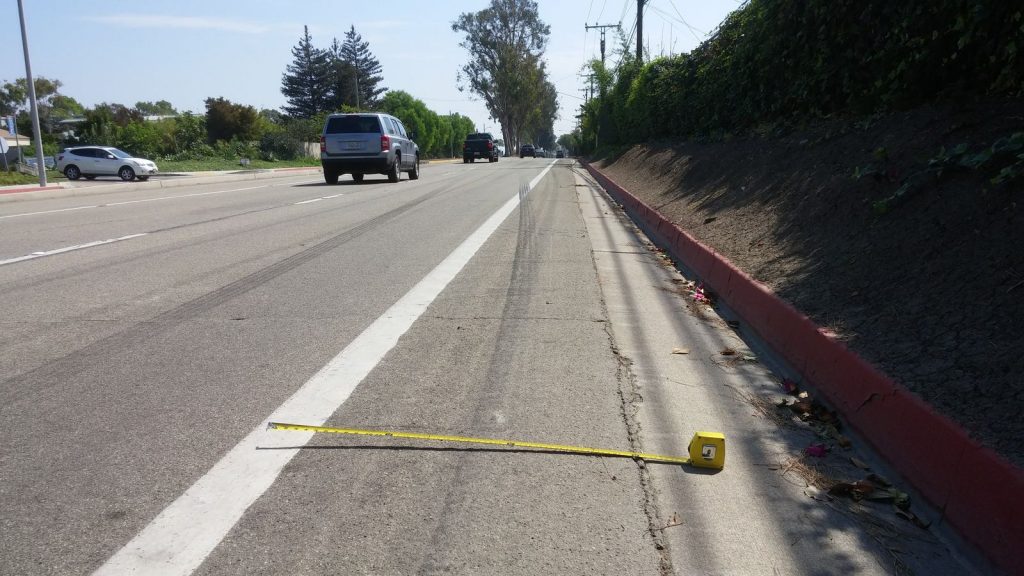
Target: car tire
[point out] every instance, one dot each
(330, 176)
(72, 172)
(465, 160)
(126, 174)
(395, 173)
(414, 174)
(357, 177)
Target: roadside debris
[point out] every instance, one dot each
(817, 450)
(680, 350)
(728, 352)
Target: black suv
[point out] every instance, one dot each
(527, 150)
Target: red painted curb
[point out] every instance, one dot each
(978, 492)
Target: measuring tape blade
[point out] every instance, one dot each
(492, 441)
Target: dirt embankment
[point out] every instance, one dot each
(929, 287)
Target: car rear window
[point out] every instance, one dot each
(353, 125)
(480, 136)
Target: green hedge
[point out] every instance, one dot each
(775, 59)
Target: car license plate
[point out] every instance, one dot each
(353, 145)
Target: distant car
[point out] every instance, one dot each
(359, 144)
(560, 153)
(93, 161)
(479, 145)
(527, 150)
(541, 153)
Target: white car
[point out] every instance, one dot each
(93, 161)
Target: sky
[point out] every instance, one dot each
(184, 51)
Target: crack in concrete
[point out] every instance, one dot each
(629, 397)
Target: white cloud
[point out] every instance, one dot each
(191, 22)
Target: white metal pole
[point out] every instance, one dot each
(41, 165)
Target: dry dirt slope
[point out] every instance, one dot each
(931, 291)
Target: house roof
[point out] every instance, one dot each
(15, 141)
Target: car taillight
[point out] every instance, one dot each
(490, 145)
(385, 143)
(323, 144)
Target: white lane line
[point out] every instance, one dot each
(308, 201)
(47, 212)
(183, 534)
(332, 196)
(134, 201)
(183, 196)
(43, 254)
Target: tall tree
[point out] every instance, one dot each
(506, 42)
(305, 83)
(342, 88)
(356, 53)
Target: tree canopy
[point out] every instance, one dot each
(306, 81)
(356, 54)
(506, 44)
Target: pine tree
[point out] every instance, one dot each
(306, 81)
(357, 53)
(342, 89)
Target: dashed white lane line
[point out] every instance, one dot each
(317, 199)
(183, 535)
(184, 196)
(45, 253)
(47, 212)
(133, 202)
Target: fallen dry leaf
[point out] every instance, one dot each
(728, 352)
(680, 350)
(859, 463)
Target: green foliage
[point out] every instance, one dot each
(159, 108)
(505, 42)
(226, 120)
(436, 135)
(344, 75)
(1002, 162)
(774, 60)
(280, 146)
(306, 81)
(355, 55)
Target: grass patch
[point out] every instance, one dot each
(225, 164)
(14, 178)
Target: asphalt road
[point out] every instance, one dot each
(147, 336)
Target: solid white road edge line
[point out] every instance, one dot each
(183, 534)
(43, 254)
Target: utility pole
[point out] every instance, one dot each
(640, 30)
(40, 163)
(602, 28)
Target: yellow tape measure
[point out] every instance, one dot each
(707, 449)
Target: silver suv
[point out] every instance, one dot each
(359, 144)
